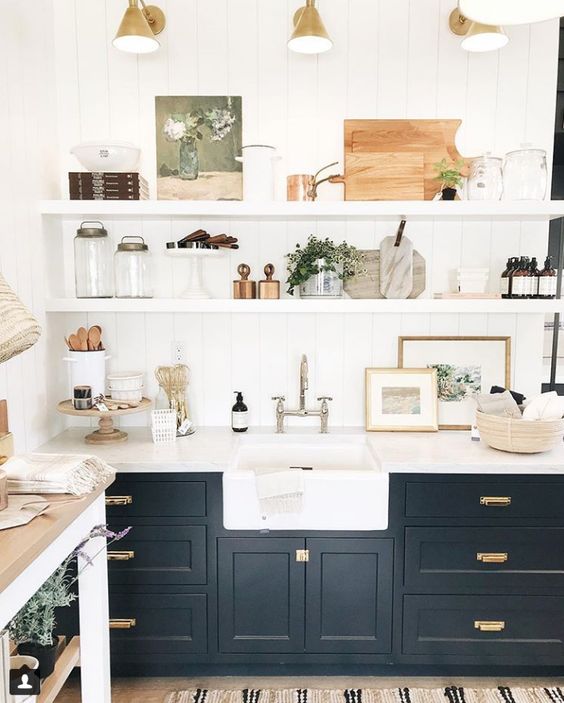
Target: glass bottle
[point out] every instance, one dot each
(93, 264)
(506, 279)
(533, 278)
(547, 280)
(520, 280)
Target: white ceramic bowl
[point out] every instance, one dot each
(127, 381)
(132, 395)
(107, 155)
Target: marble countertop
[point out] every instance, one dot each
(211, 448)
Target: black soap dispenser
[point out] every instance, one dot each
(239, 415)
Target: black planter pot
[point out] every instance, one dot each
(448, 193)
(46, 655)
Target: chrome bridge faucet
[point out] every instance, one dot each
(322, 413)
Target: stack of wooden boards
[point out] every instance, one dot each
(107, 186)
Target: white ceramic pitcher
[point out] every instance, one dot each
(88, 368)
(258, 172)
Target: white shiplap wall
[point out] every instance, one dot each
(28, 154)
(390, 60)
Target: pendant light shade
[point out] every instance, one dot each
(136, 33)
(477, 37)
(309, 35)
(511, 11)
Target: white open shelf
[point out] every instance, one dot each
(285, 305)
(281, 210)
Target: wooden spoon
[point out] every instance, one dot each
(94, 338)
(68, 343)
(82, 334)
(74, 343)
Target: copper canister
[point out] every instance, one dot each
(300, 187)
(244, 289)
(269, 289)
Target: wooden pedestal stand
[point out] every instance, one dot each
(106, 431)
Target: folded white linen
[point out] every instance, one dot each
(546, 406)
(279, 490)
(77, 474)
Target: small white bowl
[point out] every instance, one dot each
(131, 395)
(108, 156)
(126, 381)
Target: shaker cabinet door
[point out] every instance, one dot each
(349, 596)
(261, 595)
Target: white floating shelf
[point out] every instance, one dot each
(286, 305)
(322, 210)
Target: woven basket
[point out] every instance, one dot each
(519, 436)
(18, 328)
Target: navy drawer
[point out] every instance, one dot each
(159, 624)
(459, 558)
(487, 499)
(156, 555)
(515, 629)
(137, 498)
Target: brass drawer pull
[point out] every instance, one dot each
(121, 556)
(119, 500)
(122, 623)
(489, 625)
(495, 500)
(302, 554)
(492, 557)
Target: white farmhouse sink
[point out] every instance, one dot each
(344, 490)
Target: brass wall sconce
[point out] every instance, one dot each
(477, 37)
(137, 30)
(309, 35)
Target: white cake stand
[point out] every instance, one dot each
(195, 259)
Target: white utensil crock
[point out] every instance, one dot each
(88, 368)
(16, 662)
(258, 172)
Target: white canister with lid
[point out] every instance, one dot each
(258, 172)
(525, 174)
(133, 269)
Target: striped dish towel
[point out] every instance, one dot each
(77, 474)
(279, 490)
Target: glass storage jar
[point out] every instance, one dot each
(485, 181)
(93, 266)
(525, 175)
(132, 265)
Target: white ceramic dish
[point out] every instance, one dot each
(126, 381)
(132, 395)
(108, 155)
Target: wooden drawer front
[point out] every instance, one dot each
(475, 558)
(159, 555)
(458, 499)
(533, 627)
(158, 499)
(164, 624)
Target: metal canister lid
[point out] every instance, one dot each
(132, 246)
(83, 231)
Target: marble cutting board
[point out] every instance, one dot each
(396, 267)
(368, 286)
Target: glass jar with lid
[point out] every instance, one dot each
(132, 264)
(485, 181)
(93, 265)
(525, 175)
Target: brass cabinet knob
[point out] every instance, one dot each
(122, 623)
(489, 625)
(121, 556)
(492, 557)
(119, 500)
(495, 500)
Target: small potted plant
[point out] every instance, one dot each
(319, 268)
(450, 177)
(32, 629)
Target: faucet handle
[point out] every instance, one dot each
(278, 397)
(325, 397)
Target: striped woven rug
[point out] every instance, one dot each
(451, 694)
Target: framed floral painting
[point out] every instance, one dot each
(198, 138)
(401, 400)
(466, 366)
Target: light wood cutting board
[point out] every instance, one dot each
(368, 286)
(393, 159)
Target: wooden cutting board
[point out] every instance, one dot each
(393, 159)
(368, 286)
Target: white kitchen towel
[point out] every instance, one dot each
(279, 490)
(546, 406)
(77, 474)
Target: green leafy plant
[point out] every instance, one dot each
(303, 262)
(35, 622)
(449, 174)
